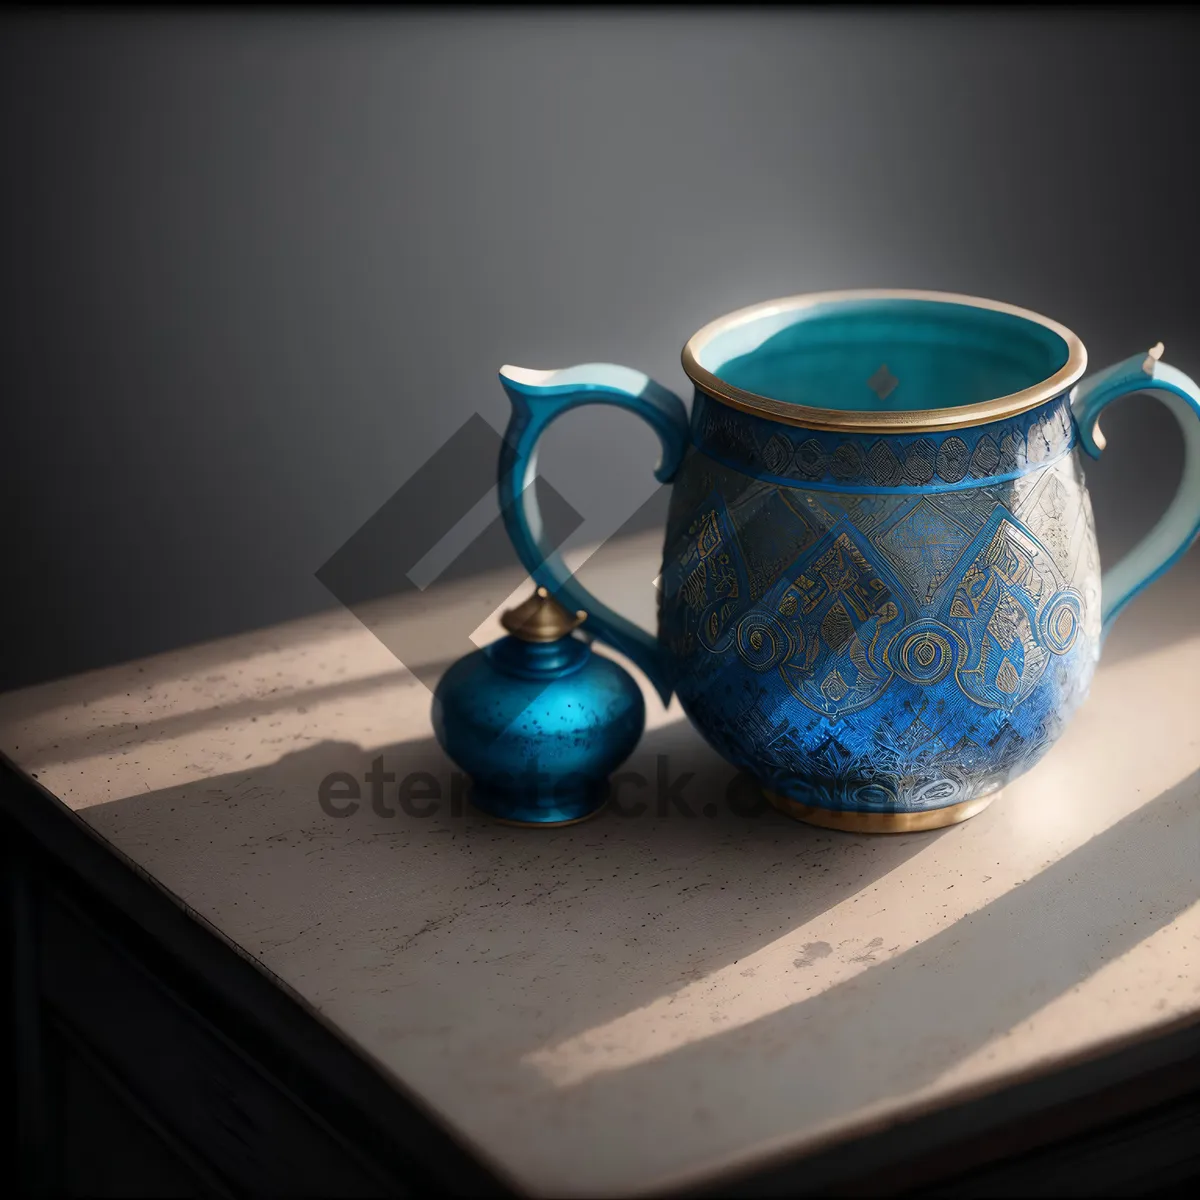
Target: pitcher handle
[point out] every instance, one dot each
(538, 397)
(1178, 527)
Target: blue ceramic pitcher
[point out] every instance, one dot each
(881, 595)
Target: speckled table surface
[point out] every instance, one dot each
(637, 1002)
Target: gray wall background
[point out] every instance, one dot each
(259, 267)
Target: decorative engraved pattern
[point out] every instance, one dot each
(763, 641)
(710, 577)
(986, 459)
(884, 650)
(843, 609)
(757, 446)
(995, 610)
(924, 546)
(953, 458)
(883, 466)
(925, 651)
(1060, 621)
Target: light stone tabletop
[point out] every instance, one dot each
(634, 1003)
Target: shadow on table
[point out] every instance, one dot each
(950, 997)
(661, 898)
(621, 911)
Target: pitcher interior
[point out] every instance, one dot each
(885, 355)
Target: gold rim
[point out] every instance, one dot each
(877, 822)
(898, 420)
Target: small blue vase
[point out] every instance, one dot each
(537, 720)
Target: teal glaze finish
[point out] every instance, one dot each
(538, 727)
(539, 397)
(865, 616)
(881, 648)
(1179, 526)
(919, 463)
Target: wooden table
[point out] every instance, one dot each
(639, 1004)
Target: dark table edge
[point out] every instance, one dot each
(331, 1076)
(952, 1139)
(230, 990)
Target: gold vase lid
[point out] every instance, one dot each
(541, 619)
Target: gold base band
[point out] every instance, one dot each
(880, 822)
(546, 824)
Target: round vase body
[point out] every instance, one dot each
(875, 623)
(881, 594)
(538, 728)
